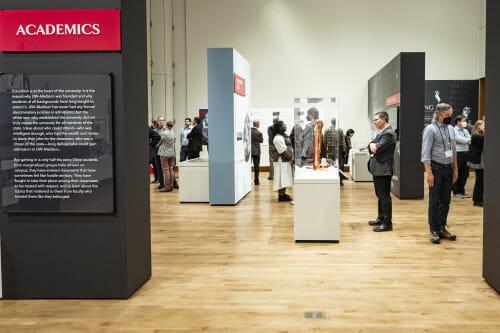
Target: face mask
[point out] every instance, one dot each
(447, 120)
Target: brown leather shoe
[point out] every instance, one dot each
(445, 234)
(435, 237)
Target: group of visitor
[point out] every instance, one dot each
(447, 154)
(162, 149)
(283, 149)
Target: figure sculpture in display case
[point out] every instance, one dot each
(316, 176)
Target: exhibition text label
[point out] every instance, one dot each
(60, 30)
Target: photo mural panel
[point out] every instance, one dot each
(56, 146)
(242, 93)
(462, 95)
(243, 122)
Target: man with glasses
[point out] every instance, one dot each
(381, 166)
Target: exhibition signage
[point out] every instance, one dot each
(239, 85)
(56, 147)
(394, 99)
(60, 30)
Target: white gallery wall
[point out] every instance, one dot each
(320, 48)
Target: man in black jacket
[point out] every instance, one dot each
(195, 140)
(381, 166)
(154, 138)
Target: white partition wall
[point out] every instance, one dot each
(230, 124)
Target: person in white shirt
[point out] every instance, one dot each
(282, 164)
(463, 138)
(184, 139)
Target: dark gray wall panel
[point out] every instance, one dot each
(411, 125)
(491, 227)
(405, 74)
(89, 256)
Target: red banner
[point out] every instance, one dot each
(239, 85)
(394, 99)
(60, 30)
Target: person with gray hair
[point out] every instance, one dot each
(256, 139)
(439, 156)
(273, 154)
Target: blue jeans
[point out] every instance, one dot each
(440, 195)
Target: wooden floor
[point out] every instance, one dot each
(237, 269)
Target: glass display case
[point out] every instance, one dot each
(317, 137)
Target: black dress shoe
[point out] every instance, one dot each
(383, 227)
(479, 203)
(176, 186)
(375, 223)
(256, 183)
(161, 186)
(156, 181)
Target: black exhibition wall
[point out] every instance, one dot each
(104, 250)
(463, 95)
(399, 89)
(491, 224)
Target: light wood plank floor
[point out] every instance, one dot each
(237, 269)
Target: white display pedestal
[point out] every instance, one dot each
(193, 180)
(359, 167)
(317, 205)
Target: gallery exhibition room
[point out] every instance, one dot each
(339, 184)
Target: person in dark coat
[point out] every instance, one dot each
(476, 161)
(381, 166)
(256, 139)
(154, 138)
(348, 144)
(195, 140)
(273, 155)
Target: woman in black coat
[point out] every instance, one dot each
(195, 139)
(348, 135)
(476, 161)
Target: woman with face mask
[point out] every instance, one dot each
(463, 139)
